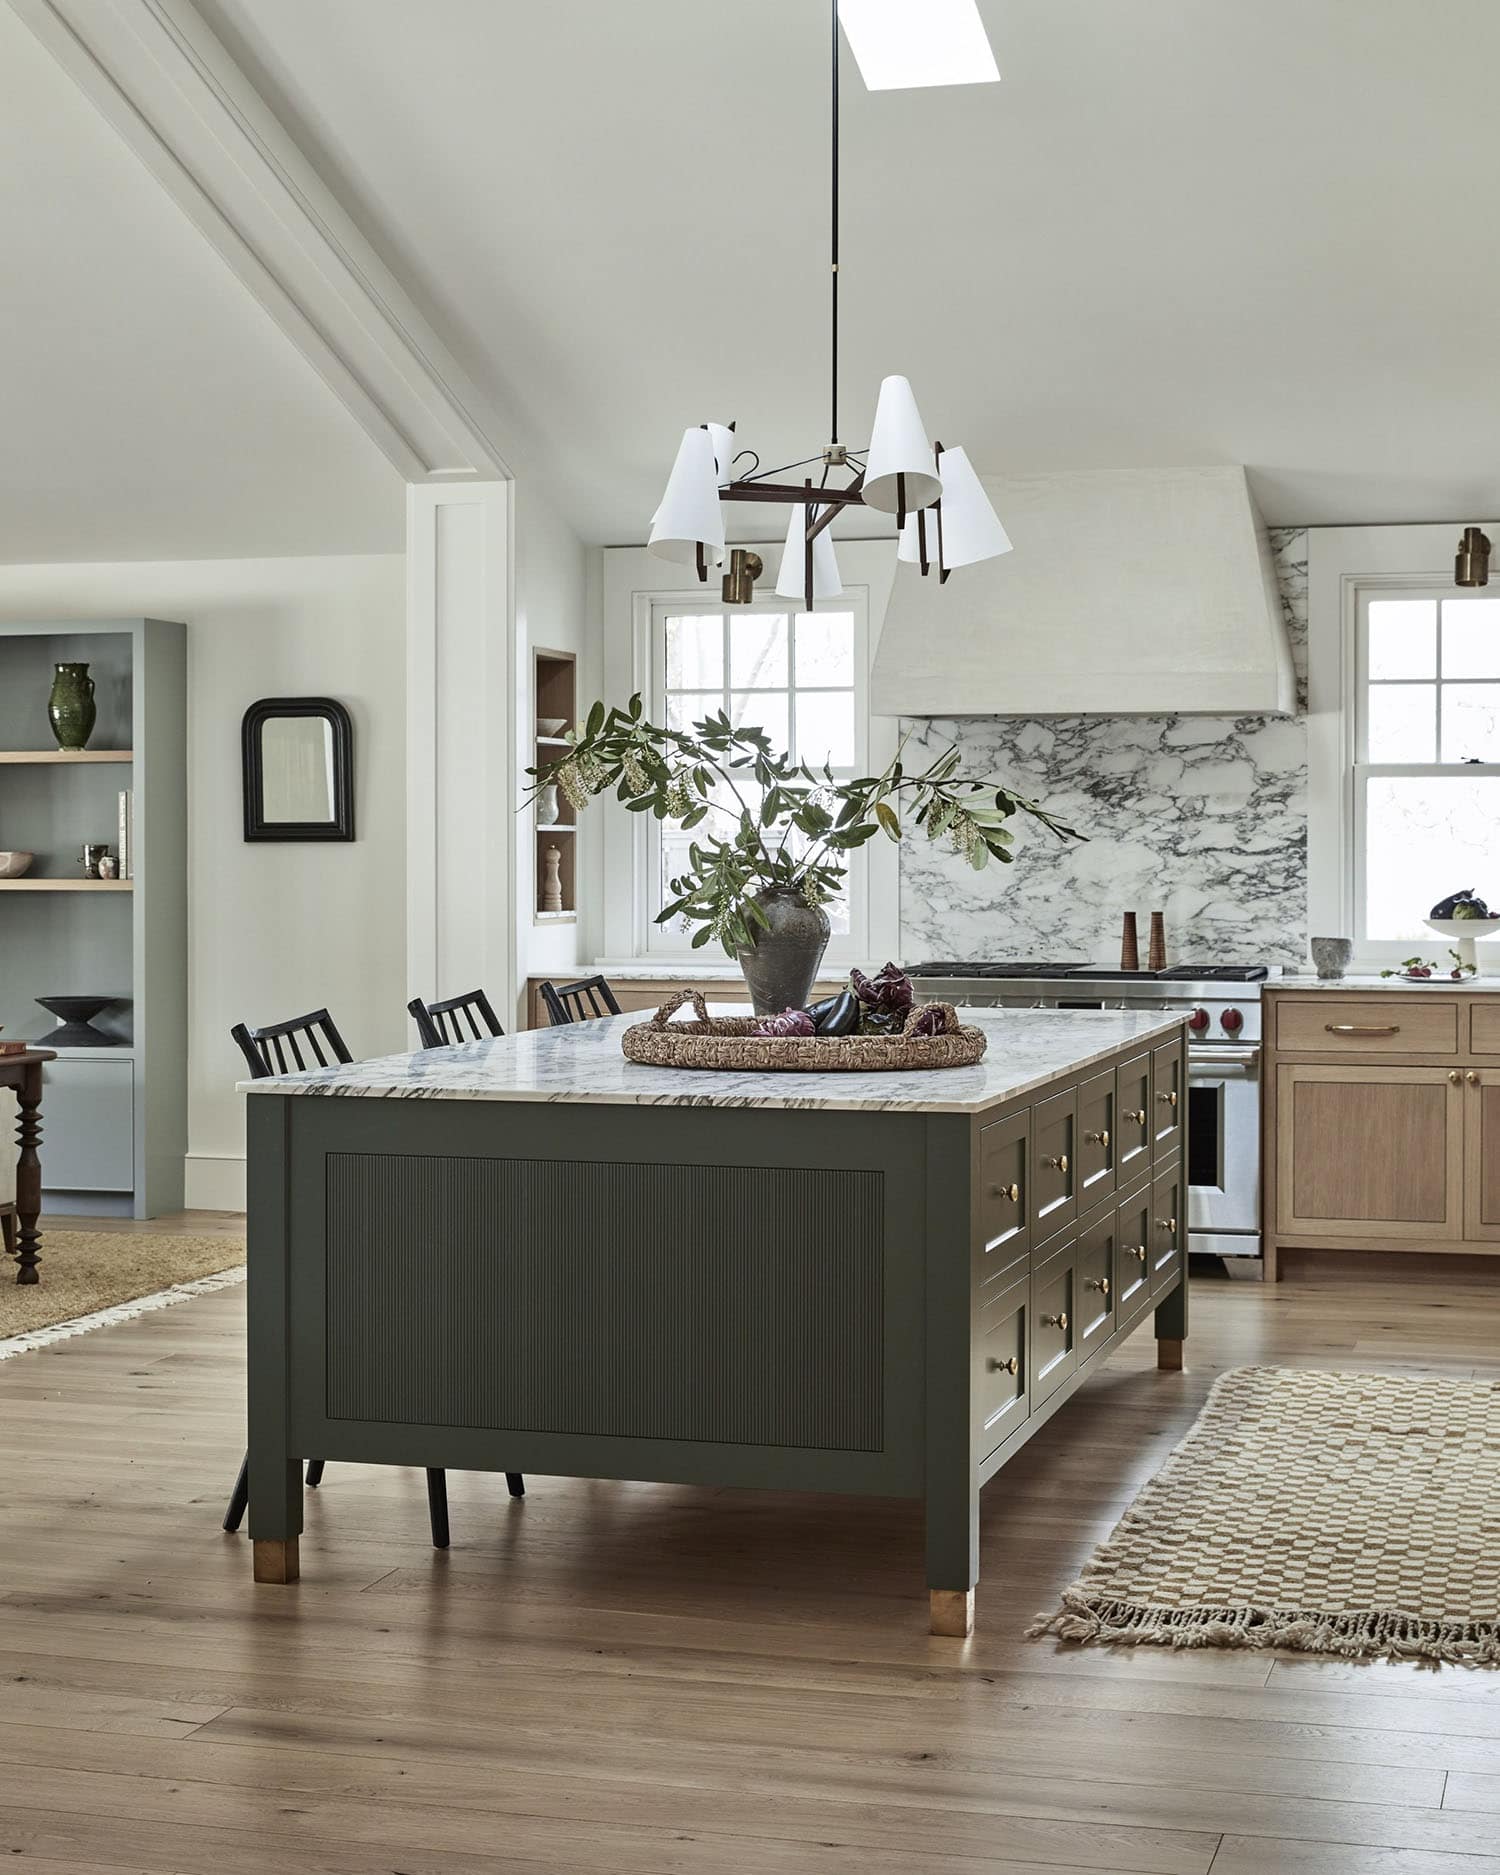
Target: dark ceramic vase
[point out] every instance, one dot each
(781, 965)
(70, 708)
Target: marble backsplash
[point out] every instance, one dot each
(1202, 818)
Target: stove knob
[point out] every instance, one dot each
(1232, 1020)
(1198, 1021)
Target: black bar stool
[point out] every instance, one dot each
(583, 1001)
(441, 1025)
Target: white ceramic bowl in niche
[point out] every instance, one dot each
(12, 865)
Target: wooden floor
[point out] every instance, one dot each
(663, 1681)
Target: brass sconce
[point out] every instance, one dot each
(745, 568)
(1471, 564)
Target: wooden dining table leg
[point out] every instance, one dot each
(29, 1173)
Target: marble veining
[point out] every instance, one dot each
(1433, 986)
(1203, 818)
(582, 1063)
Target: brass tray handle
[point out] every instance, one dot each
(1354, 1028)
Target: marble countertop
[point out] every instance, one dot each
(582, 1064)
(1431, 987)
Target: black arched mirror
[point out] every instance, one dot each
(299, 769)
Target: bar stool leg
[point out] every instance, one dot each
(239, 1497)
(515, 1484)
(315, 1472)
(437, 1507)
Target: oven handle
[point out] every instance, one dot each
(1220, 1058)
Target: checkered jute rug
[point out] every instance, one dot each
(1328, 1513)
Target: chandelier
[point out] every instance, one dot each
(944, 519)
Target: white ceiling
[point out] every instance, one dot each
(148, 408)
(1178, 232)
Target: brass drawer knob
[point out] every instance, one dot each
(1059, 1164)
(1170, 1099)
(1013, 1192)
(1168, 1224)
(1101, 1283)
(1056, 1321)
(1099, 1139)
(1136, 1250)
(1139, 1115)
(1012, 1366)
(1454, 1076)
(1472, 1078)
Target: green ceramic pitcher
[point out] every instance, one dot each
(70, 708)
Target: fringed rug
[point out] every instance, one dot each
(1327, 1513)
(88, 1275)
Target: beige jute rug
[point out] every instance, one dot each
(1328, 1513)
(85, 1271)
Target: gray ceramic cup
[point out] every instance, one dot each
(1331, 957)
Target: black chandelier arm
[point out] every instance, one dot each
(833, 422)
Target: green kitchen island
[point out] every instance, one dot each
(529, 1254)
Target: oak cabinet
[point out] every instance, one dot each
(1482, 1154)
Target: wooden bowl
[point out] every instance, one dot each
(12, 865)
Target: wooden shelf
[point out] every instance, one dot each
(60, 756)
(552, 742)
(555, 826)
(67, 885)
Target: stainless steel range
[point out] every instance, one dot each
(1222, 1005)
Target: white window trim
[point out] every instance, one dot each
(634, 583)
(1343, 562)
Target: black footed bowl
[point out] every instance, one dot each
(75, 1014)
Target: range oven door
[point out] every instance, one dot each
(1224, 1151)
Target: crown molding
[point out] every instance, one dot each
(167, 85)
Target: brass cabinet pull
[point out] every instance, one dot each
(1136, 1250)
(1056, 1321)
(1170, 1099)
(1472, 1078)
(1454, 1076)
(1013, 1192)
(1354, 1028)
(1101, 1283)
(1139, 1115)
(1167, 1224)
(1012, 1366)
(1059, 1164)
(1099, 1139)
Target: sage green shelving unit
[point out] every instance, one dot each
(114, 1119)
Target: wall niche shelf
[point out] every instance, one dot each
(554, 697)
(114, 1118)
(67, 758)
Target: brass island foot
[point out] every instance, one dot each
(1169, 1355)
(275, 1559)
(952, 1612)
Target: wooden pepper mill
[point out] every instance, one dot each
(1157, 958)
(1130, 949)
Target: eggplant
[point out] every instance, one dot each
(836, 1015)
(1465, 904)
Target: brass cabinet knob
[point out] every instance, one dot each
(1472, 1078)
(1013, 1192)
(1099, 1139)
(1168, 1224)
(1101, 1283)
(1454, 1076)
(1059, 1164)
(1136, 1250)
(1056, 1321)
(1139, 1115)
(1012, 1366)
(1170, 1099)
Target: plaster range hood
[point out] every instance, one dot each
(1144, 592)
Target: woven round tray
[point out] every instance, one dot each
(727, 1042)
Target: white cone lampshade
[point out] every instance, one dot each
(791, 583)
(724, 451)
(971, 529)
(899, 448)
(690, 515)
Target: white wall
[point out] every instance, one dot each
(273, 930)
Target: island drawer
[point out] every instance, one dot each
(1096, 1138)
(1097, 1236)
(1133, 1117)
(1054, 1163)
(1001, 1388)
(1004, 1194)
(1168, 1097)
(1167, 1225)
(1484, 1026)
(1401, 1023)
(1132, 1287)
(1054, 1321)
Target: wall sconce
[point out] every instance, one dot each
(1471, 564)
(745, 568)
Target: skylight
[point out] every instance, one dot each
(902, 44)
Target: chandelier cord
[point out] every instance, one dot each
(834, 254)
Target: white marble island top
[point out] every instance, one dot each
(582, 1064)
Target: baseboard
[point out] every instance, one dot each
(214, 1181)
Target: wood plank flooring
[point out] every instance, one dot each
(663, 1681)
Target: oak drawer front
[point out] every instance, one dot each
(1132, 1117)
(1403, 1023)
(1002, 1380)
(1132, 1288)
(1096, 1139)
(1097, 1236)
(1168, 1223)
(1168, 1096)
(1484, 1026)
(1054, 1163)
(1004, 1194)
(1054, 1322)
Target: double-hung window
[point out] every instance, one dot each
(799, 676)
(1426, 773)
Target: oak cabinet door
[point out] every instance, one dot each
(1482, 1155)
(1373, 1152)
